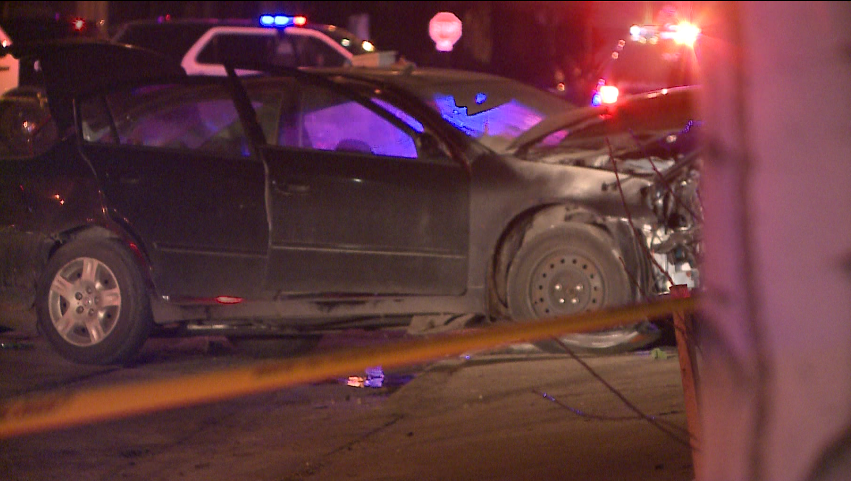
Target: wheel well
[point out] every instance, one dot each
(534, 220)
(93, 232)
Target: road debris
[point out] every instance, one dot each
(374, 378)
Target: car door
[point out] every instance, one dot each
(355, 208)
(176, 169)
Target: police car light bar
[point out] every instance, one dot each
(282, 20)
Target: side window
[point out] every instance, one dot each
(285, 52)
(170, 116)
(313, 52)
(266, 99)
(96, 122)
(234, 46)
(324, 120)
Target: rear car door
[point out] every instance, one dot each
(355, 207)
(176, 169)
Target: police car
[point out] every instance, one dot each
(9, 66)
(202, 45)
(652, 57)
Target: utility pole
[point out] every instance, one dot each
(775, 342)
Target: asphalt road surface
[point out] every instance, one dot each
(512, 413)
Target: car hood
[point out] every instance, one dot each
(554, 123)
(74, 67)
(645, 133)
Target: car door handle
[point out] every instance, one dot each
(291, 189)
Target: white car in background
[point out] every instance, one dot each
(9, 66)
(202, 45)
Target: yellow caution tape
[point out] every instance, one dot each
(62, 409)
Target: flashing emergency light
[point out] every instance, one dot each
(683, 33)
(608, 94)
(78, 24)
(605, 94)
(634, 32)
(282, 20)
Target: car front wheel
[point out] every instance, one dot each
(568, 270)
(92, 303)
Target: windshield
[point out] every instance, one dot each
(493, 111)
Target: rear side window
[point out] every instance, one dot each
(313, 52)
(167, 116)
(225, 47)
(287, 49)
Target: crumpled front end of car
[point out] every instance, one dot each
(675, 239)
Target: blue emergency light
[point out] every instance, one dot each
(281, 20)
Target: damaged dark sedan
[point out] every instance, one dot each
(292, 202)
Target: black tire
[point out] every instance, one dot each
(92, 303)
(571, 269)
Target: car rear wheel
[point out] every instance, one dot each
(92, 303)
(568, 270)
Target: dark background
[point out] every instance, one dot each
(541, 43)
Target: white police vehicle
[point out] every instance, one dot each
(9, 66)
(202, 45)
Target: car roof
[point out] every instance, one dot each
(172, 38)
(465, 86)
(76, 66)
(423, 74)
(411, 76)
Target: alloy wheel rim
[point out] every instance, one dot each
(84, 301)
